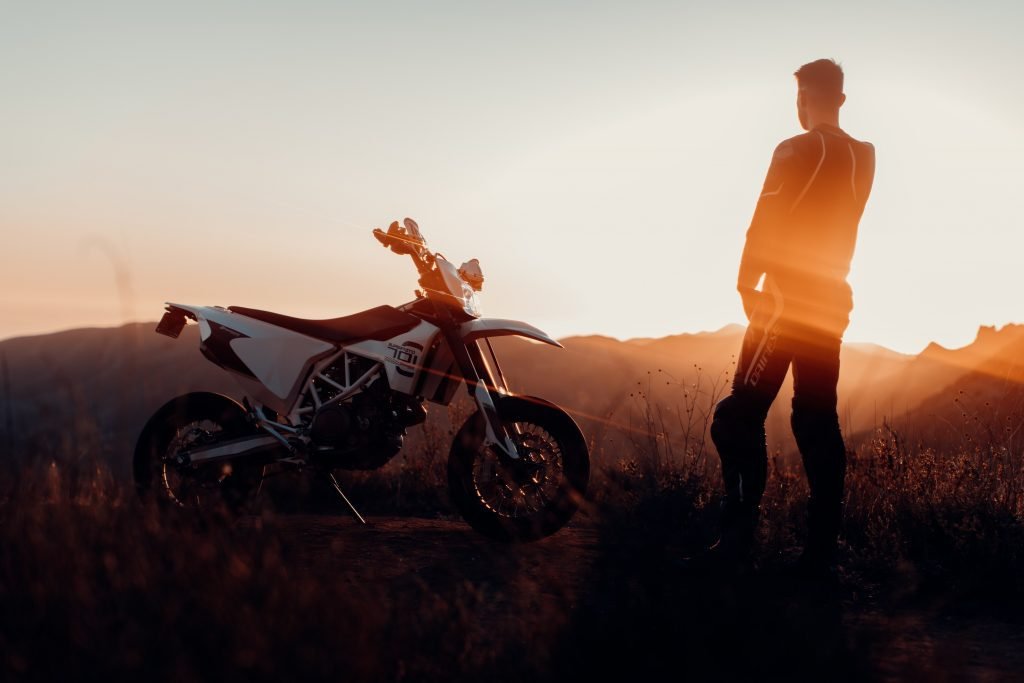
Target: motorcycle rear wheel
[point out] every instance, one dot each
(184, 422)
(511, 506)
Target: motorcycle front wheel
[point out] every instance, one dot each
(520, 503)
(186, 422)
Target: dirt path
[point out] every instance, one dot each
(438, 551)
(912, 643)
(444, 557)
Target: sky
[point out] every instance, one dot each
(602, 160)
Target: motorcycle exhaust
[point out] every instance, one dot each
(236, 448)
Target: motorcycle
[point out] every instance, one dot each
(340, 394)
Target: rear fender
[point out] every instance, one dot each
(200, 314)
(269, 362)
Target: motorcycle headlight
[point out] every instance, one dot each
(470, 304)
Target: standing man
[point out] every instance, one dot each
(792, 281)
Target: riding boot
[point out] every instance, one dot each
(823, 522)
(737, 528)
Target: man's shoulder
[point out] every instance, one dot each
(865, 150)
(796, 146)
(867, 146)
(799, 143)
(810, 144)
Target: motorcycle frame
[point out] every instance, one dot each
(450, 355)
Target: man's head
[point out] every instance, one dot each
(819, 92)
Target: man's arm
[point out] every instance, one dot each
(772, 207)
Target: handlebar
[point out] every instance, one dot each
(399, 242)
(382, 237)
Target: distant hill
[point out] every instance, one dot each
(983, 399)
(92, 389)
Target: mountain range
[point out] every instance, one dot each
(92, 389)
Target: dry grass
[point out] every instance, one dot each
(94, 584)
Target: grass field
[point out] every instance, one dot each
(93, 584)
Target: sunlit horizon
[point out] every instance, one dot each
(973, 336)
(601, 162)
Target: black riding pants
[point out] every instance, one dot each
(771, 345)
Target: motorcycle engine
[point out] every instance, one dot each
(332, 426)
(366, 432)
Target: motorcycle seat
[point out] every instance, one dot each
(380, 323)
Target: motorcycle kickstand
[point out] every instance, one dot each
(337, 488)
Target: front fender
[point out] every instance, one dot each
(496, 327)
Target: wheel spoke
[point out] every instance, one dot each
(496, 486)
(188, 486)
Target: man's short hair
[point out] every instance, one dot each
(822, 79)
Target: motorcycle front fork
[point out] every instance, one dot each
(485, 383)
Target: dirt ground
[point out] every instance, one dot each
(598, 590)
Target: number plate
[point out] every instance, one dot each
(171, 324)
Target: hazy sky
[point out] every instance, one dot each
(601, 160)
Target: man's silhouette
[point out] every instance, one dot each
(798, 250)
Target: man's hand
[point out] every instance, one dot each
(751, 298)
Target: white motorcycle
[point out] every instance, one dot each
(334, 394)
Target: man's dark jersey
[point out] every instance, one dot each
(804, 228)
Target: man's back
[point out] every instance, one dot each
(804, 229)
